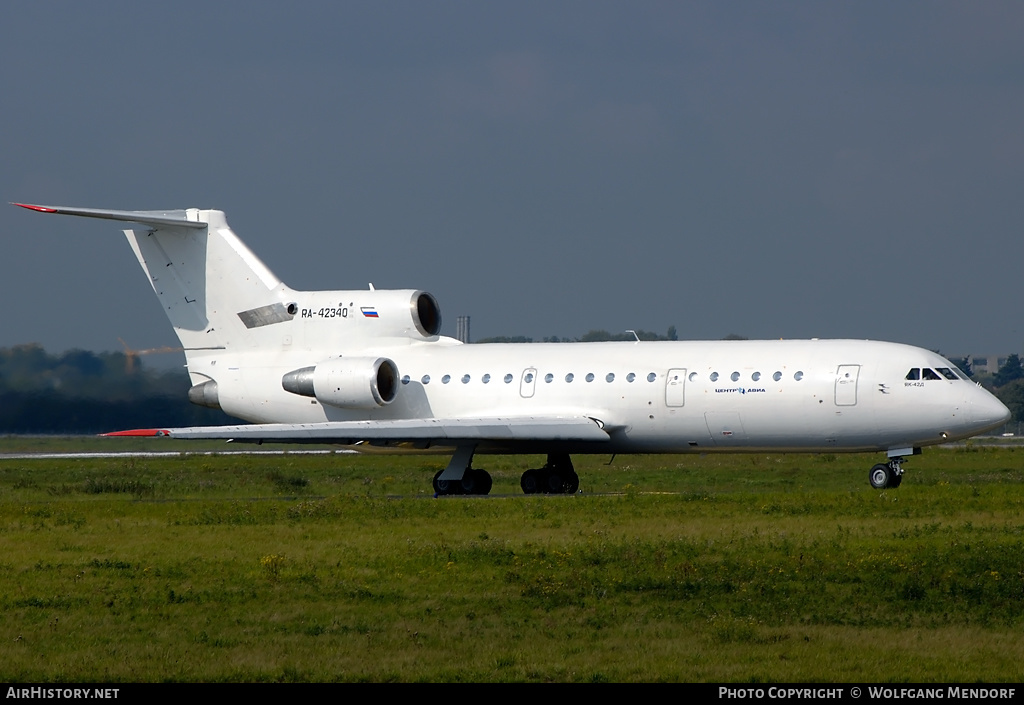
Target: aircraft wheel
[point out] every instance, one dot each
(572, 484)
(445, 487)
(555, 484)
(470, 482)
(531, 482)
(476, 482)
(881, 477)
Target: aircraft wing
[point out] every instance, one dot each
(443, 432)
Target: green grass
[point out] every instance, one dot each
(680, 568)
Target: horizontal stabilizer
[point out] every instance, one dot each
(178, 218)
(439, 431)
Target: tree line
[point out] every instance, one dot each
(79, 391)
(1007, 383)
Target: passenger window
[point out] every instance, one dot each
(590, 376)
(735, 376)
(777, 376)
(485, 379)
(651, 377)
(756, 376)
(570, 377)
(529, 377)
(798, 376)
(714, 376)
(610, 377)
(405, 379)
(549, 378)
(508, 379)
(914, 374)
(426, 379)
(446, 379)
(465, 379)
(693, 376)
(630, 377)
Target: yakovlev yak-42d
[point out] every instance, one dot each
(369, 367)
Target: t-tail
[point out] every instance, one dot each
(227, 307)
(215, 291)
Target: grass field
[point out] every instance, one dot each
(343, 568)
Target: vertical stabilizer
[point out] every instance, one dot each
(214, 290)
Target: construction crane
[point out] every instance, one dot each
(130, 355)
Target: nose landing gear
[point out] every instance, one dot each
(887, 475)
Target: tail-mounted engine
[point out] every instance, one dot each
(373, 313)
(346, 382)
(426, 314)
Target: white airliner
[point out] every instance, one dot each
(368, 367)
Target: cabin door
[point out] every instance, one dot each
(675, 387)
(846, 385)
(528, 382)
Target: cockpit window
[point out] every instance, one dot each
(927, 373)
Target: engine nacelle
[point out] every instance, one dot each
(205, 394)
(353, 316)
(346, 382)
(426, 314)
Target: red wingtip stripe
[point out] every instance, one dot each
(146, 432)
(41, 209)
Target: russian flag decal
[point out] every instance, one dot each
(369, 311)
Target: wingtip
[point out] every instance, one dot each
(138, 432)
(39, 209)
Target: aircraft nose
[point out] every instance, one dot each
(987, 412)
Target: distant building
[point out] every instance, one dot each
(989, 364)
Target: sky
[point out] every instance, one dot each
(771, 170)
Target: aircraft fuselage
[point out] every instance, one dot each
(704, 396)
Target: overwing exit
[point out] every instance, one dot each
(370, 368)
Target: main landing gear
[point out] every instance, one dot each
(474, 481)
(887, 475)
(460, 478)
(556, 477)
